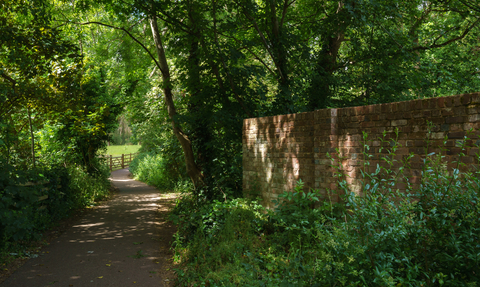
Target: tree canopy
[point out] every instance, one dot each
(195, 69)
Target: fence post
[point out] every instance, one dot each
(123, 160)
(111, 163)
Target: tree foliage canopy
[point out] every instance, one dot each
(212, 63)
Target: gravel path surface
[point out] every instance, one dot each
(122, 243)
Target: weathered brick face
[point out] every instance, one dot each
(280, 150)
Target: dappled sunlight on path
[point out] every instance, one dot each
(116, 244)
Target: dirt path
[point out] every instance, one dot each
(125, 242)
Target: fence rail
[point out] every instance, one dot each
(120, 161)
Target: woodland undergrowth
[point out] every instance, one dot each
(153, 169)
(24, 218)
(426, 236)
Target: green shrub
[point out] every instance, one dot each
(87, 188)
(153, 169)
(20, 218)
(215, 235)
(427, 236)
(23, 217)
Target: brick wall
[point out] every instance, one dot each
(279, 150)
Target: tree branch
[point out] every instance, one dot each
(5, 76)
(249, 50)
(423, 48)
(232, 85)
(264, 41)
(284, 12)
(182, 27)
(15, 98)
(388, 33)
(420, 20)
(128, 33)
(136, 23)
(471, 5)
(447, 42)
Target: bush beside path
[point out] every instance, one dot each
(124, 242)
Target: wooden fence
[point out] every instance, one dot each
(120, 161)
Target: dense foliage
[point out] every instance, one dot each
(153, 169)
(185, 74)
(55, 115)
(193, 70)
(427, 236)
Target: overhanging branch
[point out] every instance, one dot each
(467, 30)
(471, 5)
(422, 48)
(8, 78)
(128, 33)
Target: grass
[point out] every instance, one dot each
(116, 150)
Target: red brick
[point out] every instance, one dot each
(454, 120)
(402, 106)
(420, 143)
(426, 104)
(407, 115)
(415, 179)
(416, 150)
(459, 111)
(473, 152)
(412, 105)
(395, 123)
(465, 99)
(447, 112)
(448, 102)
(456, 135)
(437, 121)
(475, 98)
(474, 118)
(441, 102)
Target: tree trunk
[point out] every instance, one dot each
(320, 90)
(284, 103)
(201, 134)
(33, 138)
(193, 170)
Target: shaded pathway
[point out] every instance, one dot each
(117, 244)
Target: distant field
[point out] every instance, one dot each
(116, 150)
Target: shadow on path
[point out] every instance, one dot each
(117, 244)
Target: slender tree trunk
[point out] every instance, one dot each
(320, 90)
(201, 133)
(193, 170)
(284, 103)
(32, 137)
